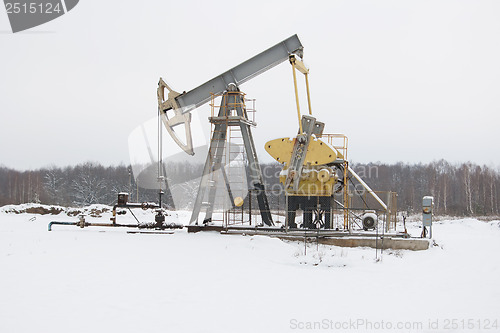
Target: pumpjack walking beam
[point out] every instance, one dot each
(183, 103)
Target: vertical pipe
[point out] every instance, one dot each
(388, 211)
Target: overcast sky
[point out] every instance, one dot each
(411, 81)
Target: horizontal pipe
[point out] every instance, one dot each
(86, 224)
(111, 225)
(143, 205)
(61, 223)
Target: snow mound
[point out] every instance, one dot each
(32, 208)
(41, 209)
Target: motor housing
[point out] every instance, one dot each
(369, 220)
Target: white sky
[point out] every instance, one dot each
(410, 81)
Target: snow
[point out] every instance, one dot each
(105, 280)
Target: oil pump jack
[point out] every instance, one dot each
(313, 168)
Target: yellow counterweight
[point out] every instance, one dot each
(318, 152)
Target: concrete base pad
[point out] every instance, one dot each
(414, 244)
(395, 241)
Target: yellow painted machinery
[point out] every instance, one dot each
(316, 177)
(313, 170)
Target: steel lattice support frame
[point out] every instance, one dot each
(232, 99)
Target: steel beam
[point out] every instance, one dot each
(240, 74)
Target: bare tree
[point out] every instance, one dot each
(468, 187)
(53, 184)
(88, 187)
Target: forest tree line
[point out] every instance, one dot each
(458, 189)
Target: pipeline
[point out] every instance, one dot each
(87, 224)
(139, 226)
(60, 223)
(122, 203)
(81, 223)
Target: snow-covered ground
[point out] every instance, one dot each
(106, 280)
